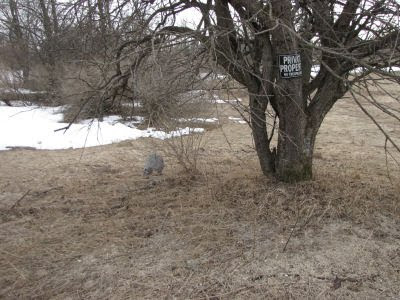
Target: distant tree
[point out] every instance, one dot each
(17, 38)
(48, 33)
(33, 29)
(344, 42)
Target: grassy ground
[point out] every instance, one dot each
(84, 224)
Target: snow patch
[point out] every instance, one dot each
(221, 101)
(20, 91)
(15, 103)
(35, 127)
(237, 120)
(151, 132)
(199, 120)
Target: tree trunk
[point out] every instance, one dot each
(50, 48)
(48, 32)
(54, 18)
(258, 106)
(294, 151)
(19, 42)
(295, 146)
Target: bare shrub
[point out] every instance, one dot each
(164, 83)
(186, 122)
(174, 98)
(186, 149)
(77, 94)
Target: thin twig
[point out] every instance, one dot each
(291, 233)
(16, 269)
(20, 199)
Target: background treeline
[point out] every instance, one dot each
(96, 56)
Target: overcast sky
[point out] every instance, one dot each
(188, 17)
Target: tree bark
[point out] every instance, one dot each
(295, 146)
(294, 159)
(50, 47)
(19, 42)
(258, 106)
(54, 17)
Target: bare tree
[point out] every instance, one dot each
(272, 46)
(17, 38)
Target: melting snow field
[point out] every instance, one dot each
(32, 126)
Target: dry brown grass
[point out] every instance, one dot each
(90, 227)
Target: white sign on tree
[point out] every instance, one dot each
(290, 65)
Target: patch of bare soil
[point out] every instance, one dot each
(84, 224)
